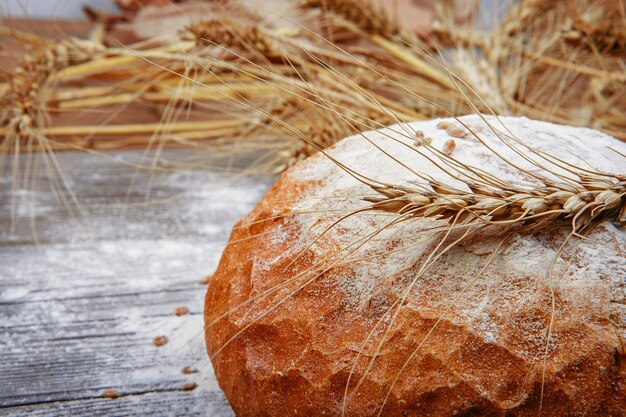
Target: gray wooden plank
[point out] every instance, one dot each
(79, 307)
(162, 403)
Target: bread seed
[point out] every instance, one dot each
(181, 311)
(110, 393)
(187, 370)
(160, 340)
(189, 386)
(449, 147)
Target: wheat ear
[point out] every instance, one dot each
(592, 199)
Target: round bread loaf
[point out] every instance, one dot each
(302, 319)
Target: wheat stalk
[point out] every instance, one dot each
(209, 46)
(593, 199)
(406, 66)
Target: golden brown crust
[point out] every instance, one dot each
(297, 347)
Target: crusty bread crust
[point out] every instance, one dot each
(485, 356)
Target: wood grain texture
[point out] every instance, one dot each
(81, 298)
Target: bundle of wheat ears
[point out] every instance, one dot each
(240, 77)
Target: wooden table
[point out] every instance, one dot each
(82, 298)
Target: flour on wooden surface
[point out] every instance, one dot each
(80, 309)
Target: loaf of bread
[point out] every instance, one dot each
(305, 317)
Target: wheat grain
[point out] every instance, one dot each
(228, 34)
(362, 14)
